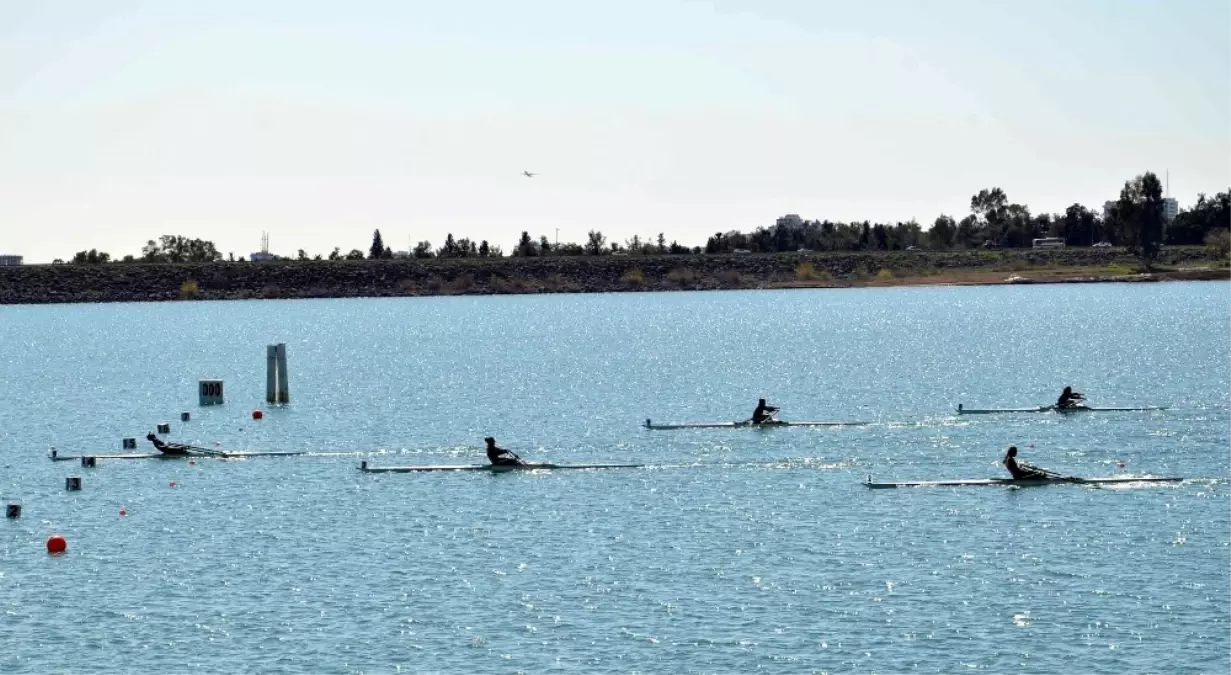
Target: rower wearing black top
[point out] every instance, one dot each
(1020, 471)
(1069, 398)
(498, 455)
(164, 447)
(763, 413)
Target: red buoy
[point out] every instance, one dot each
(172, 484)
(123, 511)
(257, 414)
(56, 544)
(192, 462)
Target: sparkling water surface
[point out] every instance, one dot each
(734, 550)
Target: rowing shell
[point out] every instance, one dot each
(1022, 481)
(55, 457)
(740, 425)
(363, 466)
(1050, 408)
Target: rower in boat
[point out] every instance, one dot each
(763, 413)
(1069, 399)
(166, 448)
(497, 455)
(1022, 470)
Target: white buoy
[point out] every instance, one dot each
(12, 511)
(184, 417)
(72, 483)
(277, 387)
(209, 392)
(88, 461)
(127, 444)
(164, 428)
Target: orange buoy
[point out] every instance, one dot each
(56, 544)
(257, 414)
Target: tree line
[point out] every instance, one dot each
(1136, 220)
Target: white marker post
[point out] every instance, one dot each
(277, 387)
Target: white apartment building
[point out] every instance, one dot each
(10, 260)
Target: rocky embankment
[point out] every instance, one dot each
(141, 282)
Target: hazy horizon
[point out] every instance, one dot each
(319, 123)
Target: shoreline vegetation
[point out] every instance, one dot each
(154, 282)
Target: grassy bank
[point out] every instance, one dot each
(126, 282)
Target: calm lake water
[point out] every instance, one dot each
(736, 550)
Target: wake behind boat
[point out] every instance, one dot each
(522, 466)
(1024, 481)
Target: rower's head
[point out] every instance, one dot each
(1068, 390)
(761, 402)
(1012, 451)
(150, 436)
(489, 441)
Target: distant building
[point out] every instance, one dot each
(10, 260)
(1171, 209)
(263, 255)
(791, 221)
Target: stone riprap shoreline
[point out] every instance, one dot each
(148, 282)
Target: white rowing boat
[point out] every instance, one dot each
(526, 466)
(961, 410)
(191, 454)
(1022, 481)
(740, 425)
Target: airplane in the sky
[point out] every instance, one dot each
(528, 174)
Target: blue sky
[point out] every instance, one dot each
(319, 122)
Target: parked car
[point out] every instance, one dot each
(912, 248)
(741, 250)
(1102, 244)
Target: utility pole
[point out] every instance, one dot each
(557, 237)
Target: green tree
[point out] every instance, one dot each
(377, 251)
(335, 254)
(355, 254)
(525, 246)
(423, 249)
(595, 242)
(943, 233)
(1138, 216)
(302, 255)
(1218, 241)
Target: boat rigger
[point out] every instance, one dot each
(1023, 481)
(525, 466)
(964, 410)
(649, 424)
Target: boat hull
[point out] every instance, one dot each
(1022, 482)
(748, 425)
(56, 457)
(496, 468)
(1051, 408)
